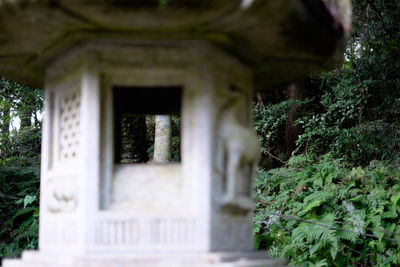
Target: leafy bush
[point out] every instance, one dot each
(21, 148)
(358, 115)
(269, 123)
(327, 213)
(348, 124)
(20, 136)
(19, 206)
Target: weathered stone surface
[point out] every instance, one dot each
(279, 40)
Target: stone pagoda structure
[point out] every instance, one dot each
(101, 62)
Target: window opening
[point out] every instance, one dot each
(147, 124)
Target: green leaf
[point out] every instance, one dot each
(320, 263)
(315, 248)
(333, 250)
(378, 231)
(395, 198)
(391, 213)
(36, 213)
(310, 206)
(355, 198)
(24, 211)
(29, 199)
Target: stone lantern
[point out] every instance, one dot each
(101, 62)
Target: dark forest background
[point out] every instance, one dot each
(328, 185)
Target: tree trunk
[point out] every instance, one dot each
(260, 99)
(162, 140)
(295, 91)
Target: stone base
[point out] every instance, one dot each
(251, 259)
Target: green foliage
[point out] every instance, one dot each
(335, 214)
(19, 167)
(357, 116)
(176, 138)
(343, 127)
(19, 146)
(19, 206)
(327, 213)
(163, 3)
(269, 121)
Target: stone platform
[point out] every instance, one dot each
(251, 259)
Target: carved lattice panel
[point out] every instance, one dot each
(69, 125)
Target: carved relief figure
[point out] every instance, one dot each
(240, 152)
(63, 197)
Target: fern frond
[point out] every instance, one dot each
(23, 211)
(321, 234)
(315, 200)
(347, 233)
(25, 224)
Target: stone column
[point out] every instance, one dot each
(162, 139)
